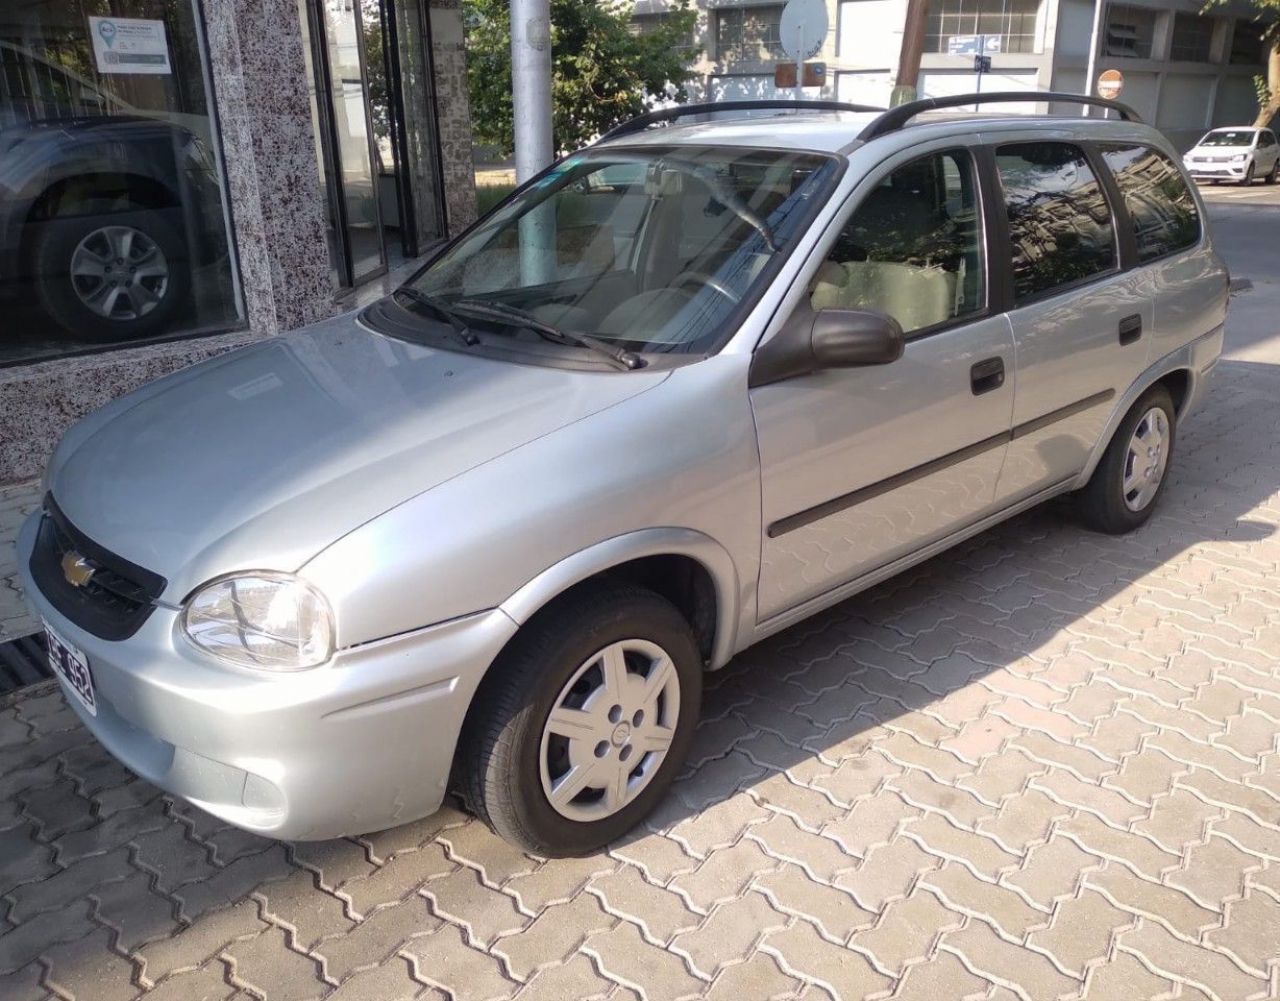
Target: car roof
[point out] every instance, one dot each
(837, 132)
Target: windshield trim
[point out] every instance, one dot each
(735, 318)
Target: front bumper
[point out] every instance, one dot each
(1217, 171)
(362, 743)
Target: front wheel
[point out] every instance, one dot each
(1129, 479)
(1248, 177)
(580, 726)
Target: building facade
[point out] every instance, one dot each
(179, 177)
(1183, 70)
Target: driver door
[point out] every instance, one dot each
(862, 466)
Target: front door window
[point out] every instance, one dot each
(912, 248)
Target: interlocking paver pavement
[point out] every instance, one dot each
(1045, 765)
(928, 792)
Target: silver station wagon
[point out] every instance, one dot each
(720, 370)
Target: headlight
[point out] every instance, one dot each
(1240, 158)
(271, 621)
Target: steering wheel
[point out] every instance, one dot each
(709, 281)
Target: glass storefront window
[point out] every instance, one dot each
(112, 221)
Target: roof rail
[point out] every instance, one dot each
(895, 118)
(642, 122)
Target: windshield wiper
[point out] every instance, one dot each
(440, 309)
(619, 357)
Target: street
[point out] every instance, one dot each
(1042, 765)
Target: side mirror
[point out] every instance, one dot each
(827, 338)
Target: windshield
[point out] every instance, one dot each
(649, 249)
(1229, 137)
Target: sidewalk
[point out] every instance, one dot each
(16, 502)
(1043, 765)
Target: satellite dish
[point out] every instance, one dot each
(803, 28)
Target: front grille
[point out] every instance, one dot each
(117, 597)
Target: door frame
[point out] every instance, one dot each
(317, 29)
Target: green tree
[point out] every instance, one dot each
(602, 67)
(1266, 24)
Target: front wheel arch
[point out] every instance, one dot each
(689, 568)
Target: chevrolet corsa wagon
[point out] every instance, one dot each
(718, 371)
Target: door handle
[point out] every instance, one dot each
(1130, 329)
(987, 375)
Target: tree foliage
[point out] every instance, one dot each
(602, 68)
(1266, 23)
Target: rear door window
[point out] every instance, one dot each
(1163, 211)
(1060, 224)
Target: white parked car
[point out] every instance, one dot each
(1235, 154)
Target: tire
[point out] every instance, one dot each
(1103, 504)
(1248, 177)
(1273, 174)
(509, 759)
(66, 298)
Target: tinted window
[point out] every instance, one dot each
(1059, 221)
(912, 248)
(1163, 212)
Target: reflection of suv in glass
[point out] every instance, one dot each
(688, 387)
(104, 210)
(1235, 154)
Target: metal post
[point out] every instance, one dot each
(982, 54)
(908, 76)
(799, 64)
(1091, 70)
(531, 98)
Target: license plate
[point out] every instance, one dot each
(72, 667)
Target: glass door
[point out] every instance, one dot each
(346, 128)
(373, 110)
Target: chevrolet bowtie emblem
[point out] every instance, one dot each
(77, 569)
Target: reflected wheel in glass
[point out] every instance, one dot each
(119, 273)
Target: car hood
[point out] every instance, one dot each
(265, 456)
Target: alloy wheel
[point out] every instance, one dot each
(609, 730)
(119, 273)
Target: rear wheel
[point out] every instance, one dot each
(1274, 173)
(1124, 488)
(581, 725)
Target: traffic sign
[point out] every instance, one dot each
(803, 28)
(1110, 84)
(973, 45)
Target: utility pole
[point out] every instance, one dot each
(904, 87)
(531, 100)
(1091, 70)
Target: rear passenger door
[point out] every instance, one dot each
(1081, 324)
(1168, 245)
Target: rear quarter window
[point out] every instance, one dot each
(1165, 219)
